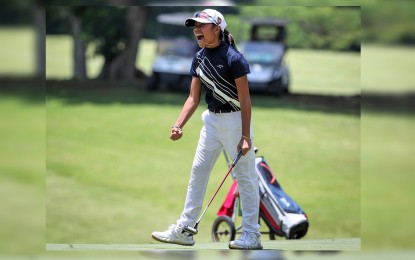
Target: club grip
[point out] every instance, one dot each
(238, 156)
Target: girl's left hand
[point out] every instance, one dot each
(244, 145)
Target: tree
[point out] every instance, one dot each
(69, 20)
(120, 63)
(75, 17)
(115, 28)
(40, 47)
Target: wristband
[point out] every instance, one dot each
(246, 137)
(175, 126)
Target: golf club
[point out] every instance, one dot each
(193, 230)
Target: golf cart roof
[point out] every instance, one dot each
(174, 18)
(268, 21)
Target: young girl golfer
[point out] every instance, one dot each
(222, 71)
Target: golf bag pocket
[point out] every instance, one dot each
(280, 212)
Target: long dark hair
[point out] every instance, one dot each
(227, 37)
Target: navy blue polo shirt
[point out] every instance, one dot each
(217, 69)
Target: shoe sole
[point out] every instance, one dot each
(170, 242)
(240, 248)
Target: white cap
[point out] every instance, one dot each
(207, 16)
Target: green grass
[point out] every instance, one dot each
(388, 69)
(17, 51)
(113, 175)
(326, 72)
(59, 52)
(22, 167)
(338, 244)
(387, 180)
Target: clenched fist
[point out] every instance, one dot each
(176, 133)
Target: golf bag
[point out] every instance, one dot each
(283, 216)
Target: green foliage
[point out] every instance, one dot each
(320, 27)
(324, 27)
(57, 20)
(391, 22)
(17, 12)
(332, 28)
(103, 26)
(98, 27)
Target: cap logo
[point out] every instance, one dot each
(219, 20)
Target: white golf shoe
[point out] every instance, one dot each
(247, 241)
(174, 235)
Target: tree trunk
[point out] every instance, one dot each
(79, 68)
(40, 27)
(123, 66)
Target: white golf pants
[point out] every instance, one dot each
(222, 131)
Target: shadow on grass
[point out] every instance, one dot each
(100, 92)
(28, 89)
(214, 254)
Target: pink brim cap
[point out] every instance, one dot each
(190, 22)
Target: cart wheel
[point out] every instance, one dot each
(223, 229)
(153, 82)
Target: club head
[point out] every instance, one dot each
(190, 230)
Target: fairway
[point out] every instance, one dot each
(113, 175)
(20, 62)
(338, 244)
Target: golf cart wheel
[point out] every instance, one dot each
(153, 82)
(223, 229)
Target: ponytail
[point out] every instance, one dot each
(228, 38)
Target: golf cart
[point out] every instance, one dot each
(175, 50)
(265, 53)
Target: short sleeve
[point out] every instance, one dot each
(239, 66)
(195, 64)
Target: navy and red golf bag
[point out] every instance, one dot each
(282, 215)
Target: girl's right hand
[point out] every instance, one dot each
(244, 145)
(176, 133)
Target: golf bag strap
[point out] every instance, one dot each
(269, 169)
